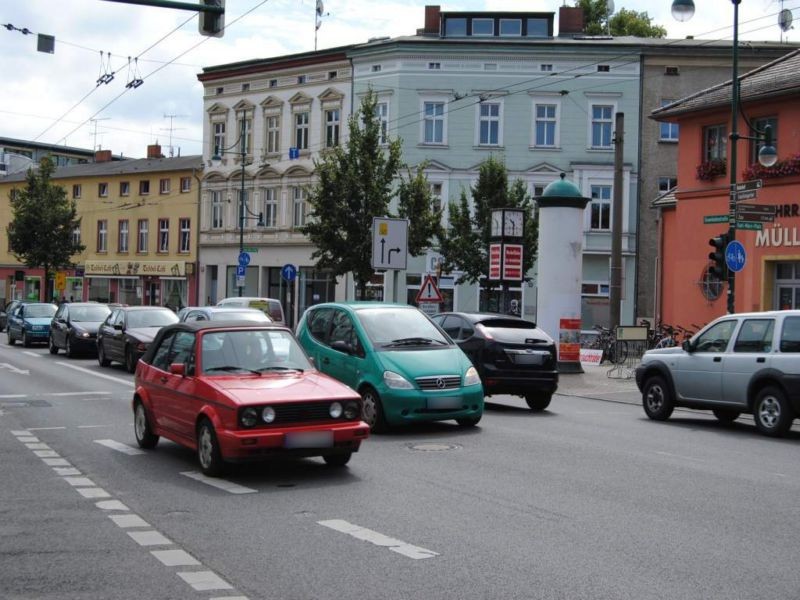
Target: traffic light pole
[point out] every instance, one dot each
(734, 137)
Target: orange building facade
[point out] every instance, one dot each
(699, 208)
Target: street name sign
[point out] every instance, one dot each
(753, 184)
(709, 219)
(744, 195)
(748, 225)
(389, 243)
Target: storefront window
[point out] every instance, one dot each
(315, 287)
(492, 301)
(787, 285)
(100, 289)
(33, 287)
(174, 293)
(128, 291)
(374, 290)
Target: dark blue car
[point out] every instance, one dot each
(30, 323)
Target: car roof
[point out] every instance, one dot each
(477, 317)
(223, 309)
(140, 308)
(363, 304)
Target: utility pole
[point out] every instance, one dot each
(615, 291)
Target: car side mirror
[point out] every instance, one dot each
(118, 326)
(687, 346)
(342, 346)
(178, 369)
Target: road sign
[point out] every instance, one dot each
(735, 256)
(244, 259)
(429, 292)
(744, 195)
(512, 262)
(289, 272)
(389, 243)
(495, 260)
(753, 184)
(709, 219)
(240, 271)
(767, 209)
(749, 225)
(250, 249)
(61, 281)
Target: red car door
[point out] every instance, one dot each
(178, 391)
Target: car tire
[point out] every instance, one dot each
(53, 347)
(130, 360)
(538, 401)
(337, 460)
(101, 356)
(657, 399)
(25, 341)
(142, 429)
(208, 452)
(726, 415)
(469, 421)
(9, 338)
(68, 351)
(372, 411)
(772, 413)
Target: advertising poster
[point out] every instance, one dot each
(569, 345)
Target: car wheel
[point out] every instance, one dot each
(538, 401)
(208, 452)
(25, 341)
(68, 348)
(53, 347)
(373, 410)
(130, 360)
(726, 415)
(101, 356)
(469, 421)
(772, 413)
(337, 460)
(141, 428)
(657, 399)
(9, 337)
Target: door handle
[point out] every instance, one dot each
(163, 379)
(717, 359)
(760, 359)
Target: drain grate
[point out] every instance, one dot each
(433, 447)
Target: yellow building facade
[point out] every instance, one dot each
(138, 223)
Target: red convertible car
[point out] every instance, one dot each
(236, 391)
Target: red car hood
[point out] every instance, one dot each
(284, 387)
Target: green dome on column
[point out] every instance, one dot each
(562, 193)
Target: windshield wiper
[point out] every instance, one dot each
(230, 368)
(280, 368)
(415, 341)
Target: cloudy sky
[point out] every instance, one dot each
(54, 98)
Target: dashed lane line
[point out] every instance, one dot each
(222, 484)
(120, 447)
(379, 539)
(96, 374)
(29, 353)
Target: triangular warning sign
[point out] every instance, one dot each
(429, 292)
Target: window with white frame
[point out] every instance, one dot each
(76, 236)
(122, 237)
(436, 197)
(102, 235)
(298, 207)
(185, 225)
(595, 288)
(102, 190)
(545, 124)
(186, 184)
(600, 218)
(665, 184)
(332, 123)
(144, 187)
(382, 114)
(489, 115)
(273, 134)
(715, 142)
(218, 138)
(142, 238)
(510, 27)
(433, 122)
(301, 130)
(164, 186)
(270, 208)
(124, 188)
(482, 27)
(245, 133)
(217, 206)
(667, 132)
(76, 190)
(163, 235)
(602, 123)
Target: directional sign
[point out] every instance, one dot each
(754, 184)
(708, 219)
(389, 243)
(429, 292)
(735, 256)
(744, 195)
(244, 259)
(289, 272)
(749, 225)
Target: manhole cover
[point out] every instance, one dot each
(433, 447)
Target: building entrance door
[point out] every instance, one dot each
(787, 286)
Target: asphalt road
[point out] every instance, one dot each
(586, 500)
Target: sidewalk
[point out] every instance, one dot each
(595, 382)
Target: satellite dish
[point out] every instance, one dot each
(785, 19)
(320, 8)
(609, 7)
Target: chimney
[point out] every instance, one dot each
(154, 151)
(101, 156)
(431, 19)
(570, 20)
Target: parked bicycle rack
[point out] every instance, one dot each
(635, 340)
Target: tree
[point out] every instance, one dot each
(43, 220)
(465, 245)
(597, 21)
(356, 183)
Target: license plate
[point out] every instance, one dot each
(308, 439)
(527, 359)
(444, 402)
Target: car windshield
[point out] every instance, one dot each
(244, 315)
(89, 313)
(257, 351)
(396, 327)
(151, 318)
(40, 310)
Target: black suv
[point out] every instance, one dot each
(512, 355)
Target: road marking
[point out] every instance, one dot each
(37, 446)
(7, 396)
(46, 453)
(222, 484)
(93, 426)
(27, 438)
(126, 521)
(45, 428)
(111, 505)
(14, 369)
(96, 374)
(93, 492)
(29, 353)
(149, 538)
(373, 537)
(78, 394)
(18, 432)
(56, 462)
(205, 580)
(80, 481)
(175, 558)
(120, 447)
(64, 471)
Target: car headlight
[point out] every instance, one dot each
(141, 347)
(351, 410)
(268, 414)
(248, 417)
(335, 410)
(471, 377)
(80, 333)
(396, 381)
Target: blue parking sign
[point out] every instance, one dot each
(241, 270)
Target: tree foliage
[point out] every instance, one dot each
(355, 183)
(43, 221)
(465, 244)
(597, 21)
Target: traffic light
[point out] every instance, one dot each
(212, 23)
(719, 269)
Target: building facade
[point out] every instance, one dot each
(138, 222)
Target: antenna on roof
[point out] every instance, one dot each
(319, 12)
(785, 20)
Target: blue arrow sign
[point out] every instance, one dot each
(244, 259)
(735, 256)
(289, 272)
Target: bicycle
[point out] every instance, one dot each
(614, 351)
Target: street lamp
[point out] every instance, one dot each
(242, 152)
(683, 10)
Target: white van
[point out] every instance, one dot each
(271, 307)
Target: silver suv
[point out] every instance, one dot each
(739, 363)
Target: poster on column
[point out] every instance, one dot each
(569, 346)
